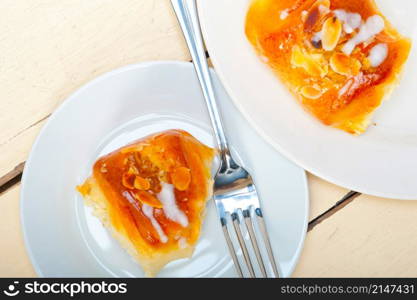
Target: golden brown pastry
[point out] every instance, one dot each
(339, 57)
(152, 195)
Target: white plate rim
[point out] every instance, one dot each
(74, 95)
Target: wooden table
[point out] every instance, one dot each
(50, 48)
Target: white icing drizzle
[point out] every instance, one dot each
(171, 210)
(368, 30)
(352, 84)
(351, 21)
(131, 200)
(355, 82)
(148, 211)
(284, 14)
(346, 87)
(378, 54)
(304, 15)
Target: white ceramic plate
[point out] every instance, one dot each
(61, 235)
(381, 162)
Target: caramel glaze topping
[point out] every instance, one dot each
(133, 175)
(306, 50)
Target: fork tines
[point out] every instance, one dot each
(247, 216)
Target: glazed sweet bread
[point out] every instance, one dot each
(340, 58)
(151, 195)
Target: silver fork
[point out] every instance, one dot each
(234, 189)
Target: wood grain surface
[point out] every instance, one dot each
(51, 48)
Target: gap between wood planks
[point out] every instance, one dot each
(348, 198)
(14, 177)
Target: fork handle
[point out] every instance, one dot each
(186, 11)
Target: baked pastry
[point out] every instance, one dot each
(339, 57)
(152, 194)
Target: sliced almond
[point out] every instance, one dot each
(297, 56)
(345, 65)
(311, 92)
(304, 15)
(331, 32)
(141, 183)
(148, 198)
(315, 13)
(138, 157)
(133, 170)
(181, 178)
(313, 64)
(128, 180)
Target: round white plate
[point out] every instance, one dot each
(381, 162)
(61, 235)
